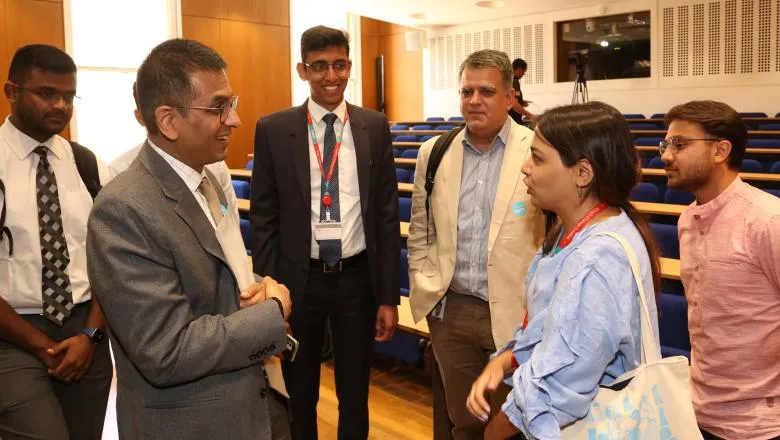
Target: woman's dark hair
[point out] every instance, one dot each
(598, 133)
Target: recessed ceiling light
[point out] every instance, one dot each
(418, 16)
(490, 4)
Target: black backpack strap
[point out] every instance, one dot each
(86, 163)
(4, 231)
(440, 147)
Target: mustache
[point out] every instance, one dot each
(57, 114)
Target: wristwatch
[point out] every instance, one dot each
(95, 334)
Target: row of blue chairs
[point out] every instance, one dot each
(411, 138)
(422, 127)
(747, 165)
(663, 115)
(441, 119)
(751, 142)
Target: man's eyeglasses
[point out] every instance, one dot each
(340, 66)
(223, 110)
(678, 143)
(50, 95)
(486, 92)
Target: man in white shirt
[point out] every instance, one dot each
(55, 372)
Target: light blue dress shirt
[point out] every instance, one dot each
(478, 186)
(583, 329)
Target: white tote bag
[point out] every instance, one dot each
(652, 402)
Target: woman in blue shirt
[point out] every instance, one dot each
(582, 327)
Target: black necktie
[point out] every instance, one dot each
(330, 250)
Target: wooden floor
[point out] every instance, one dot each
(400, 403)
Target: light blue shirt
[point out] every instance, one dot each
(478, 185)
(585, 303)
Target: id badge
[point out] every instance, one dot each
(327, 231)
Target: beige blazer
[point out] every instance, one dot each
(516, 232)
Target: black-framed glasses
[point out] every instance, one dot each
(678, 143)
(50, 95)
(223, 110)
(4, 231)
(339, 66)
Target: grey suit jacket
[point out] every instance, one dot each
(188, 360)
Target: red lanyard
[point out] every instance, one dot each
(566, 240)
(334, 156)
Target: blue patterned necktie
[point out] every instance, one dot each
(330, 250)
(57, 295)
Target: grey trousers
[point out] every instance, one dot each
(462, 342)
(34, 405)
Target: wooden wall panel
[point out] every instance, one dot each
(254, 38)
(403, 69)
(25, 22)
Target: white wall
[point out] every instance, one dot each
(753, 91)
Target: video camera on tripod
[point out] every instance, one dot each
(578, 58)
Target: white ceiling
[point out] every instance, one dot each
(451, 12)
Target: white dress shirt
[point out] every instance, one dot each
(123, 161)
(191, 179)
(353, 238)
(21, 274)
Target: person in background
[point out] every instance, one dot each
(470, 246)
(55, 367)
(582, 328)
(730, 268)
(518, 110)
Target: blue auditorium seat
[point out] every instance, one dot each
(678, 197)
(645, 192)
(763, 143)
(643, 126)
(752, 115)
(422, 127)
(751, 166)
(655, 162)
(434, 119)
(769, 127)
(673, 325)
(405, 208)
(241, 187)
(658, 116)
(445, 127)
(667, 238)
(246, 234)
(425, 138)
(250, 164)
(399, 127)
(402, 175)
(409, 153)
(775, 169)
(404, 272)
(648, 141)
(460, 118)
(633, 116)
(774, 192)
(405, 138)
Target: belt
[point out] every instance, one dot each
(343, 264)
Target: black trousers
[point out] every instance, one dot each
(34, 405)
(346, 299)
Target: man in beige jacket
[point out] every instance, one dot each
(467, 265)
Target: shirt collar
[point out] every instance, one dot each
(23, 145)
(318, 112)
(190, 177)
(714, 206)
(500, 139)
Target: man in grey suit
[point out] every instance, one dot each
(189, 337)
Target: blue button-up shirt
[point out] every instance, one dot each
(478, 186)
(585, 303)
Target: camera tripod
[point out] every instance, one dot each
(580, 93)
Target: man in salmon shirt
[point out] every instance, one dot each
(730, 268)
